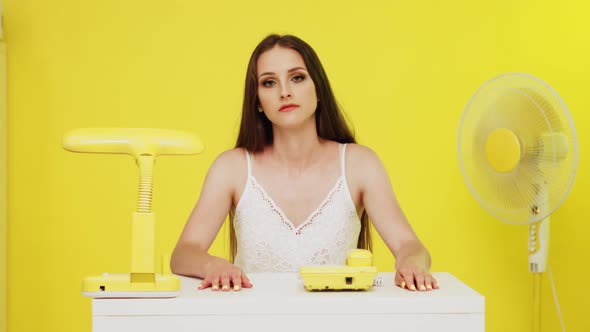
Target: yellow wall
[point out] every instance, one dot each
(3, 178)
(402, 70)
(3, 198)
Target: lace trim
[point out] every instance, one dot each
(270, 202)
(309, 220)
(320, 210)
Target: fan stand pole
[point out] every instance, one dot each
(537, 278)
(538, 250)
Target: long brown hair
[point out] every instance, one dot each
(256, 129)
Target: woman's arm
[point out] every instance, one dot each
(190, 255)
(412, 260)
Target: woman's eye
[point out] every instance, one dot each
(268, 83)
(298, 78)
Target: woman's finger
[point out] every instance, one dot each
(246, 281)
(204, 283)
(428, 281)
(236, 279)
(420, 281)
(408, 277)
(399, 280)
(215, 282)
(434, 283)
(224, 281)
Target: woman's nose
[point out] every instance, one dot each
(285, 91)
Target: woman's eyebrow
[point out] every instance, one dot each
(290, 70)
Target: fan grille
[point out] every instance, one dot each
(543, 176)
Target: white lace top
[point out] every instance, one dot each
(267, 241)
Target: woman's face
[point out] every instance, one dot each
(285, 90)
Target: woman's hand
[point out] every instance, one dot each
(223, 275)
(413, 276)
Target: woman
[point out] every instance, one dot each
(297, 187)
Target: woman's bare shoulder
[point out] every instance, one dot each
(363, 166)
(231, 155)
(361, 157)
(227, 173)
(230, 162)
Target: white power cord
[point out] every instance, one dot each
(555, 298)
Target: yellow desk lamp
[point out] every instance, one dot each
(145, 144)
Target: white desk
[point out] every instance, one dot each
(278, 301)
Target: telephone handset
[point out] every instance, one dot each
(358, 273)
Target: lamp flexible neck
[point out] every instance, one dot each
(146, 165)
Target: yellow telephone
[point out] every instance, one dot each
(358, 273)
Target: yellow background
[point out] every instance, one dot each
(402, 70)
(3, 179)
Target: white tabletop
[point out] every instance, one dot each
(284, 294)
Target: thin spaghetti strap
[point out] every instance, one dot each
(343, 159)
(249, 163)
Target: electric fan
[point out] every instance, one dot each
(518, 154)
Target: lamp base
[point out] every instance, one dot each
(122, 286)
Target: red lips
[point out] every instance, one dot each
(288, 107)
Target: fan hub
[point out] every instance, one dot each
(503, 150)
